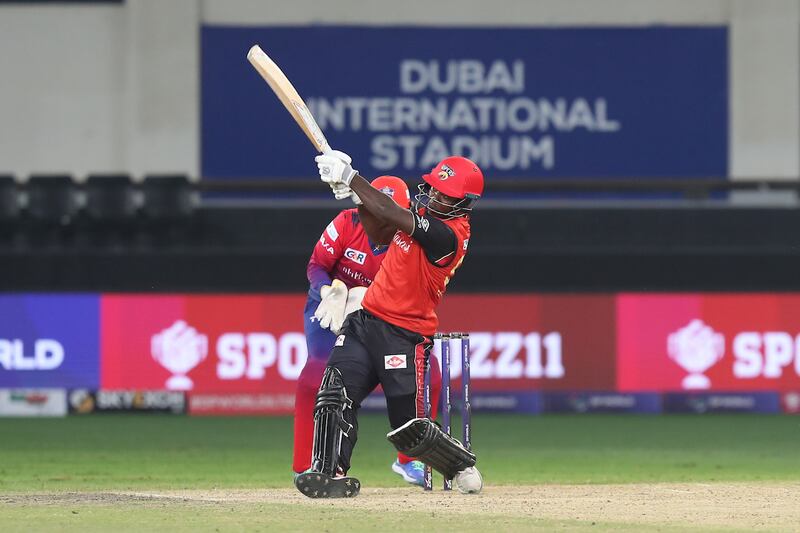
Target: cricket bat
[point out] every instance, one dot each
(288, 95)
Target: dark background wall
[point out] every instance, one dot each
(245, 249)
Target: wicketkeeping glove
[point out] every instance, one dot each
(354, 297)
(330, 310)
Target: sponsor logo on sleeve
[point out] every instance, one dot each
(423, 223)
(332, 232)
(339, 340)
(466, 243)
(355, 255)
(392, 362)
(328, 247)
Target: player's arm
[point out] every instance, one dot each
(326, 252)
(334, 169)
(377, 231)
(436, 238)
(317, 275)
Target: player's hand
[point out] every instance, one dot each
(334, 167)
(330, 310)
(354, 297)
(342, 191)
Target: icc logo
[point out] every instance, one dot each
(696, 347)
(179, 348)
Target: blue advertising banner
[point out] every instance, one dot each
(522, 102)
(49, 341)
(733, 402)
(602, 402)
(513, 401)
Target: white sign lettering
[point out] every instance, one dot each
(469, 107)
(48, 354)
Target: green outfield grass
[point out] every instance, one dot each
(132, 452)
(72, 474)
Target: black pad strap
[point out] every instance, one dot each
(422, 439)
(329, 423)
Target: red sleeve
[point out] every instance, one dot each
(330, 247)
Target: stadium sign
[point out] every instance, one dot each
(521, 102)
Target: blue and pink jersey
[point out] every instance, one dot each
(343, 252)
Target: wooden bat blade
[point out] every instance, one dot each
(288, 96)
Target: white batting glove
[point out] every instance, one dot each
(330, 311)
(334, 167)
(342, 191)
(354, 297)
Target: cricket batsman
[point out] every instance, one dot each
(344, 263)
(388, 341)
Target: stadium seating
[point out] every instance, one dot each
(110, 198)
(53, 199)
(9, 199)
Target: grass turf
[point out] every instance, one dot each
(131, 452)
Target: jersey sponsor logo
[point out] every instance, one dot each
(339, 341)
(328, 247)
(355, 255)
(332, 232)
(404, 244)
(466, 243)
(358, 277)
(392, 362)
(423, 223)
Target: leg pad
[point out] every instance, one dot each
(426, 441)
(329, 423)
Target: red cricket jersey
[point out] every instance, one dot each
(344, 251)
(408, 287)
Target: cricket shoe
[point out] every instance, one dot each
(319, 485)
(413, 472)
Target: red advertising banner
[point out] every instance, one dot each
(219, 344)
(245, 352)
(716, 342)
(539, 342)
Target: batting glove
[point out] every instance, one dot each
(330, 311)
(334, 167)
(342, 191)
